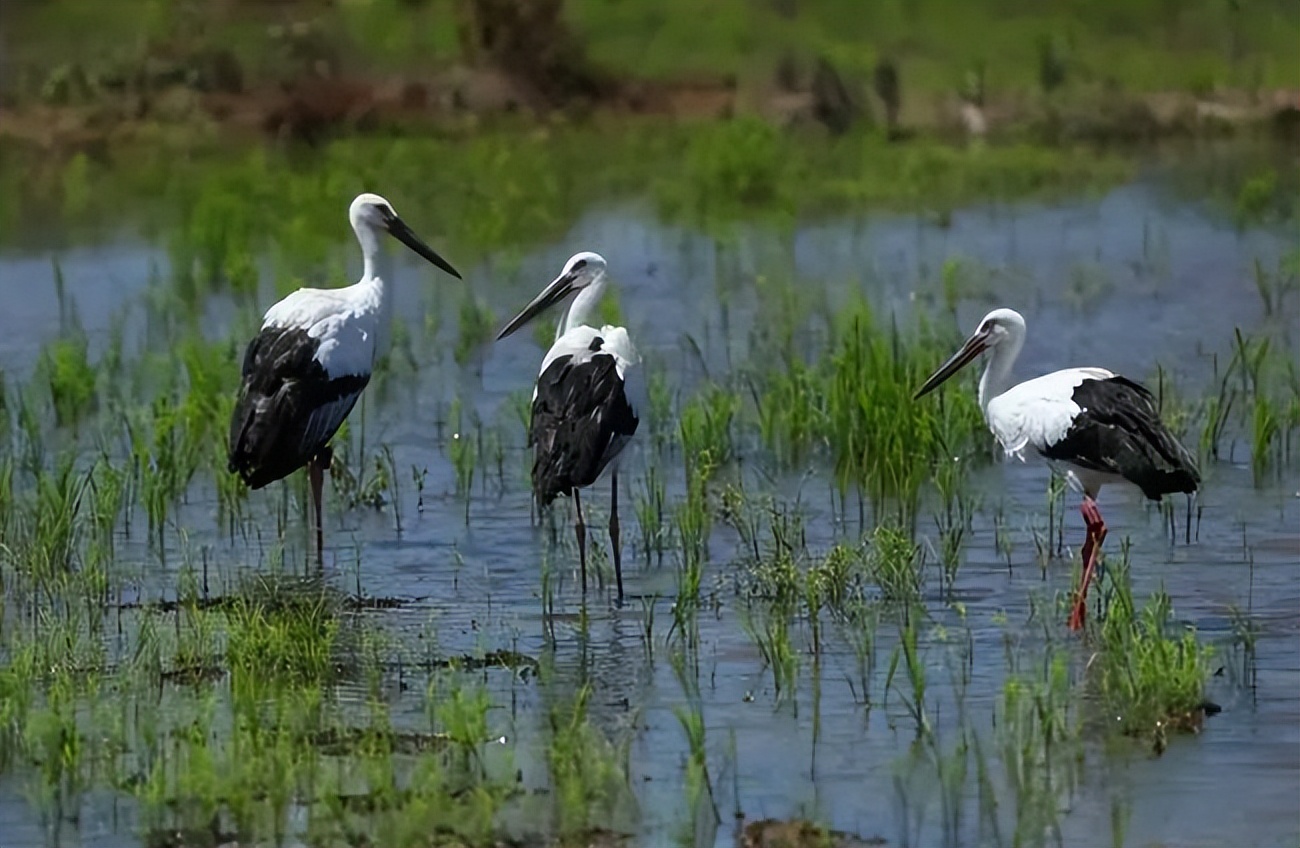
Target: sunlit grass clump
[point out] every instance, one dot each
(588, 772)
(1151, 670)
(71, 378)
(282, 633)
(853, 402)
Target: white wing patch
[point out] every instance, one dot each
(619, 345)
(578, 344)
(1038, 413)
(344, 320)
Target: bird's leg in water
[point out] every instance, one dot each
(316, 468)
(1091, 550)
(614, 541)
(580, 530)
(317, 477)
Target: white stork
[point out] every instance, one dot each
(306, 368)
(1094, 426)
(581, 418)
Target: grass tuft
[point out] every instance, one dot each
(1151, 671)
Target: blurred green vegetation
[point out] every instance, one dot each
(1143, 45)
(1139, 45)
(505, 190)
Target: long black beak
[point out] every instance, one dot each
(973, 347)
(558, 290)
(398, 229)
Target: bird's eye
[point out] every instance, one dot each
(580, 264)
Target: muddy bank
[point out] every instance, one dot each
(311, 109)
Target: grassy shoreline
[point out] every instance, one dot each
(503, 189)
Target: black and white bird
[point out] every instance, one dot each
(1094, 426)
(582, 418)
(305, 370)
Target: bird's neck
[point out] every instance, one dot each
(997, 373)
(382, 300)
(583, 306)
(371, 255)
(372, 289)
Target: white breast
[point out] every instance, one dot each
(344, 321)
(1038, 412)
(578, 344)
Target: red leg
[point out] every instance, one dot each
(1091, 548)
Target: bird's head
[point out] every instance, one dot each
(997, 327)
(582, 270)
(370, 213)
(371, 210)
(1001, 326)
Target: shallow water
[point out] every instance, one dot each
(1124, 282)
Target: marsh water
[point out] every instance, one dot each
(1131, 279)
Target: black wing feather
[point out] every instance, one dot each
(581, 417)
(1120, 432)
(282, 386)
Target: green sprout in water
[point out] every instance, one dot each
(71, 379)
(896, 564)
(1151, 672)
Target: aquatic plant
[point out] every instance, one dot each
(588, 772)
(1276, 287)
(277, 632)
(462, 448)
(953, 520)
(895, 564)
(649, 505)
(692, 520)
(699, 797)
(462, 718)
(166, 452)
(1150, 671)
(767, 620)
(857, 400)
(1259, 390)
(475, 330)
(1038, 743)
(70, 377)
(704, 428)
(914, 667)
(43, 542)
(792, 413)
(660, 415)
